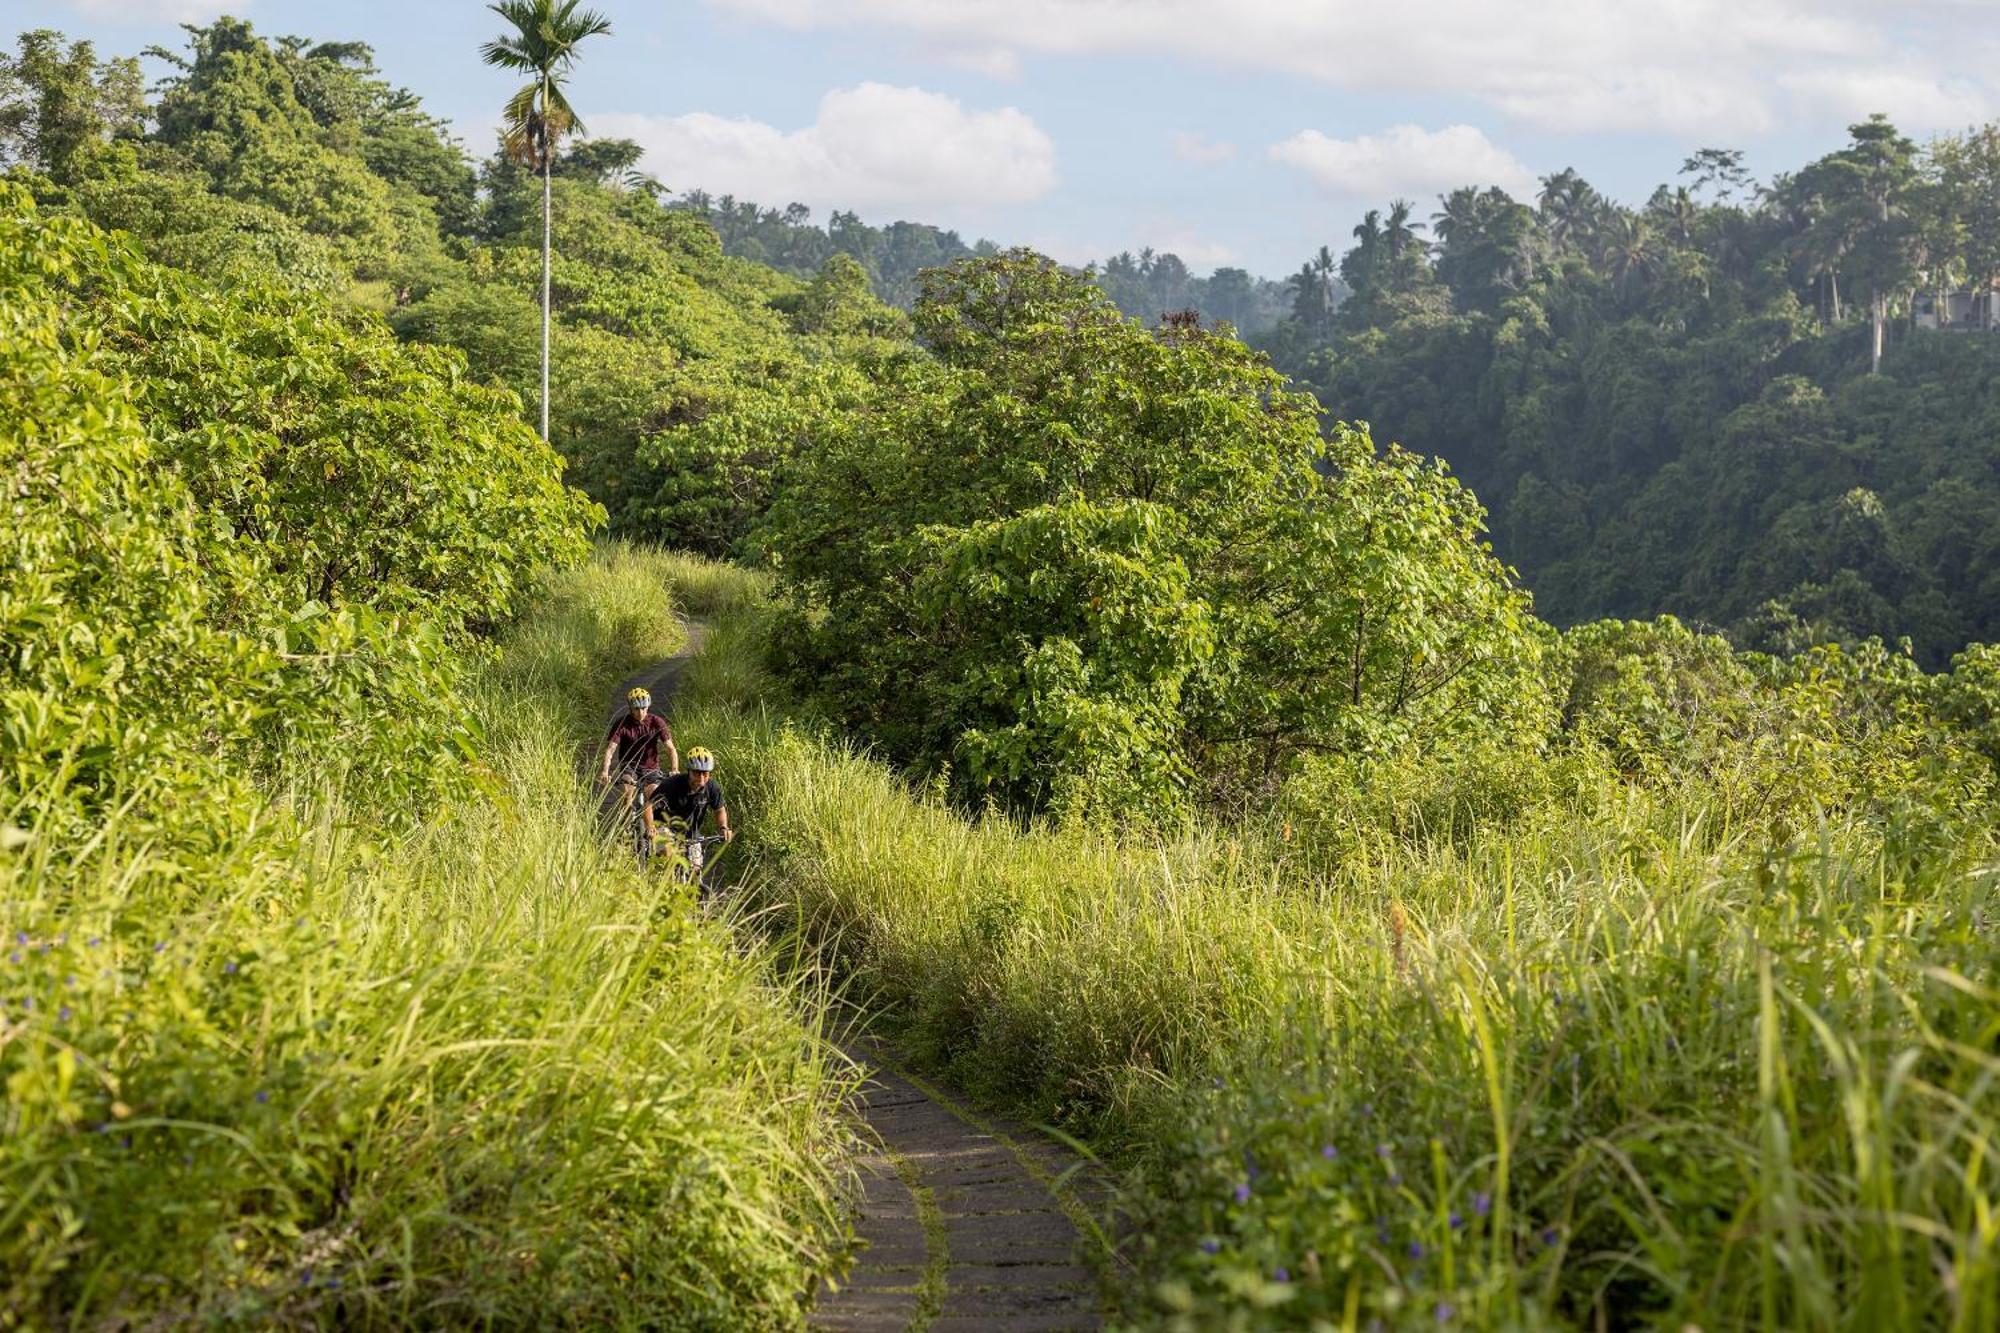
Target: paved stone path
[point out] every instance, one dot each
(966, 1223)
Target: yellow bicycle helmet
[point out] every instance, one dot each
(700, 760)
(637, 697)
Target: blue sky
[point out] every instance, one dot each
(1231, 131)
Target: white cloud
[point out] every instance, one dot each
(995, 62)
(873, 147)
(1686, 67)
(1201, 149)
(1921, 101)
(1404, 160)
(157, 11)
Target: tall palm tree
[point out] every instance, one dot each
(542, 45)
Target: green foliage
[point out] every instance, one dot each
(281, 559)
(1669, 407)
(318, 1074)
(1071, 540)
(56, 106)
(1614, 1051)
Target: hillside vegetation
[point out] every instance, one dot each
(1703, 1048)
(1678, 407)
(1148, 751)
(323, 1002)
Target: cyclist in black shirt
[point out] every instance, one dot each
(690, 797)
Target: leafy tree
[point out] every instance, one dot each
(1090, 568)
(543, 44)
(55, 104)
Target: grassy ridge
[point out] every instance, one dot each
(480, 1072)
(1621, 1069)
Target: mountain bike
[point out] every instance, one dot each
(695, 862)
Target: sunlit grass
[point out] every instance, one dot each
(1645, 1065)
(482, 1072)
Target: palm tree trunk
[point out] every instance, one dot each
(1878, 316)
(546, 220)
(1834, 278)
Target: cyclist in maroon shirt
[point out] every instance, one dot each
(633, 743)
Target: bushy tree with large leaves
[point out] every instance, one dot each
(1104, 570)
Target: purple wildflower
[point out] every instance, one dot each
(14, 957)
(1395, 1179)
(1382, 1150)
(262, 1096)
(1482, 1203)
(1550, 1235)
(1328, 1151)
(62, 1014)
(1210, 1245)
(229, 966)
(1242, 1194)
(94, 941)
(20, 937)
(1416, 1249)
(1445, 1311)
(161, 947)
(1282, 1275)
(1457, 1219)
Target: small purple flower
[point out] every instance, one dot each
(1367, 1109)
(1416, 1249)
(94, 941)
(1242, 1194)
(1381, 1235)
(1281, 1274)
(1445, 1310)
(262, 1096)
(229, 966)
(1457, 1219)
(161, 947)
(1217, 1080)
(70, 981)
(14, 957)
(125, 1141)
(20, 937)
(1328, 1151)
(1210, 1245)
(1482, 1203)
(1395, 1179)
(1382, 1150)
(62, 1014)
(1550, 1235)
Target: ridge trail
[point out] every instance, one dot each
(966, 1222)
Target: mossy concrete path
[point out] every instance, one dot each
(966, 1222)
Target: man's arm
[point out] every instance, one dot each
(673, 752)
(610, 748)
(722, 822)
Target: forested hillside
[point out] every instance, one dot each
(1678, 407)
(1147, 743)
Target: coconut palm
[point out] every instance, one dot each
(543, 45)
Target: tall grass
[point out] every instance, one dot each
(482, 1073)
(1624, 1071)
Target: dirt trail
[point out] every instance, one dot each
(966, 1222)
